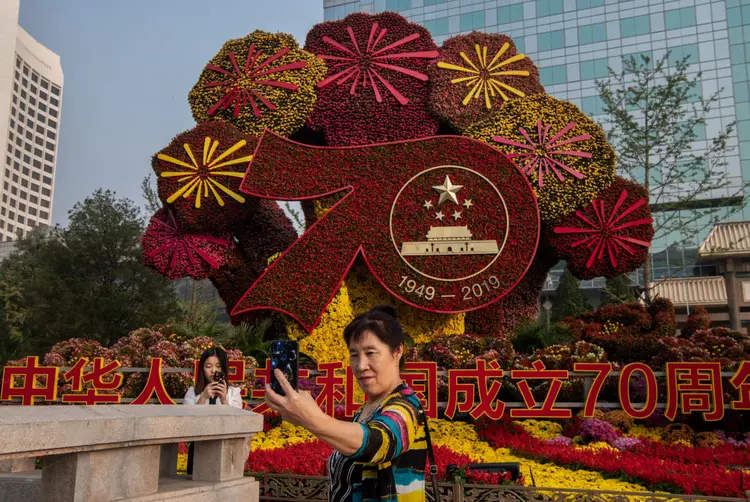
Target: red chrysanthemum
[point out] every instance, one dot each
(376, 88)
(477, 74)
(199, 175)
(609, 237)
(176, 254)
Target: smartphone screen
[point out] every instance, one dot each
(284, 356)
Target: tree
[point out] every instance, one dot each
(87, 280)
(655, 111)
(618, 290)
(569, 299)
(150, 195)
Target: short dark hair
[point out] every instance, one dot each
(381, 321)
(201, 383)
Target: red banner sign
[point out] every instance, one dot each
(691, 387)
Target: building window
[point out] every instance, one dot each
(551, 40)
(36, 176)
(688, 52)
(634, 26)
(596, 68)
(45, 203)
(47, 180)
(395, 5)
(51, 135)
(25, 69)
(54, 101)
(510, 14)
(53, 112)
(34, 199)
(45, 84)
(37, 164)
(437, 27)
(49, 158)
(553, 75)
(51, 123)
(472, 21)
(44, 215)
(592, 33)
(50, 146)
(56, 90)
(680, 18)
(593, 105)
(46, 192)
(434, 2)
(43, 95)
(590, 4)
(34, 77)
(548, 7)
(32, 211)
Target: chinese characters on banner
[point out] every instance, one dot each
(691, 387)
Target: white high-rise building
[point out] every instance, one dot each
(31, 91)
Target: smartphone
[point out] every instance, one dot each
(284, 356)
(219, 377)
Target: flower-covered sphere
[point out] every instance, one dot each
(609, 237)
(377, 85)
(476, 74)
(564, 153)
(199, 175)
(261, 81)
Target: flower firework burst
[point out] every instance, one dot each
(539, 155)
(604, 233)
(360, 66)
(241, 83)
(483, 78)
(174, 253)
(200, 177)
(616, 228)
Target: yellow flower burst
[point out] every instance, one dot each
(483, 79)
(200, 177)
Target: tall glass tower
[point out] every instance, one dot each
(574, 42)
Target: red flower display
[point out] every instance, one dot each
(476, 74)
(376, 87)
(176, 254)
(199, 175)
(455, 241)
(609, 237)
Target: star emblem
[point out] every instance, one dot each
(439, 216)
(468, 203)
(456, 215)
(427, 204)
(447, 191)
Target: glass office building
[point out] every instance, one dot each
(574, 42)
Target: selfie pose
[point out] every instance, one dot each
(381, 455)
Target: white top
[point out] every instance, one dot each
(234, 397)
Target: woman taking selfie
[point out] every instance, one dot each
(381, 455)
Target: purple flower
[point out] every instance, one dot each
(623, 444)
(559, 441)
(594, 429)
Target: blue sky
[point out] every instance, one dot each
(128, 68)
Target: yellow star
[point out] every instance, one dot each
(439, 216)
(456, 215)
(447, 191)
(427, 204)
(468, 203)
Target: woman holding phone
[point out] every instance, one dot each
(381, 455)
(209, 389)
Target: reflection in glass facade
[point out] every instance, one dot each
(574, 42)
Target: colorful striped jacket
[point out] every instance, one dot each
(390, 464)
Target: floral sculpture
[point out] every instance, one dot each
(352, 125)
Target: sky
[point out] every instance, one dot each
(128, 67)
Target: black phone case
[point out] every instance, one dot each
(285, 356)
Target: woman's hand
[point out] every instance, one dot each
(210, 391)
(298, 408)
(221, 391)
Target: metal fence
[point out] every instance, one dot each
(292, 488)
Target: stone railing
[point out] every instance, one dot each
(125, 453)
